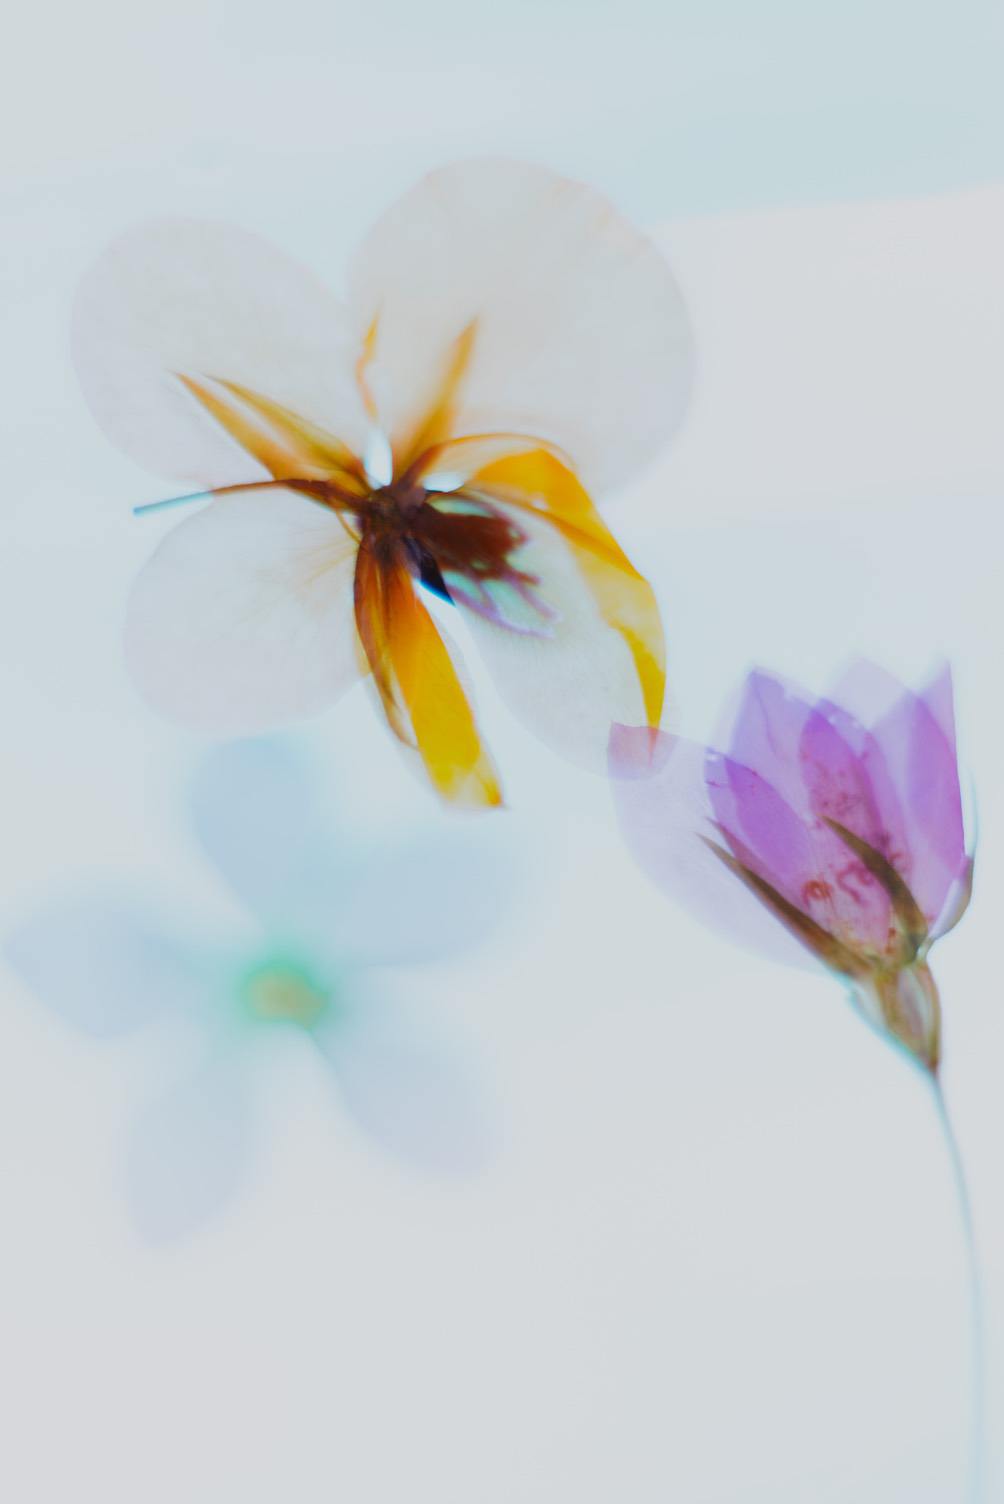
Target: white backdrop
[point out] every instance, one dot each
(716, 1256)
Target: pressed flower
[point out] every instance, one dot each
(847, 832)
(508, 344)
(313, 960)
(830, 831)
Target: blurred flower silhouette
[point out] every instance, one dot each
(318, 927)
(847, 831)
(831, 831)
(508, 341)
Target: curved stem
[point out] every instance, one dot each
(977, 1441)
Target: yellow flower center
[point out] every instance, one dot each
(284, 992)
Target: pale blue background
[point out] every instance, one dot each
(717, 1258)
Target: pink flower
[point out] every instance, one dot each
(841, 819)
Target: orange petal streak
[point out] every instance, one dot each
(435, 425)
(537, 481)
(424, 701)
(363, 364)
(287, 445)
(474, 452)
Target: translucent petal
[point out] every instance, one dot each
(179, 297)
(661, 796)
(939, 698)
(931, 796)
(425, 900)
(766, 736)
(580, 335)
(242, 619)
(423, 698)
(188, 1153)
(103, 967)
(540, 482)
(285, 444)
(258, 815)
(957, 902)
(414, 1100)
(800, 754)
(916, 736)
(805, 860)
(569, 681)
(867, 792)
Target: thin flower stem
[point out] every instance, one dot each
(977, 1439)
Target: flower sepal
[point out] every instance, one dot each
(904, 1005)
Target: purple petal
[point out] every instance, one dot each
(805, 860)
(808, 754)
(767, 736)
(835, 775)
(664, 807)
(867, 792)
(916, 737)
(761, 828)
(939, 697)
(922, 761)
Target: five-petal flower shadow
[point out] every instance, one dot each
(331, 930)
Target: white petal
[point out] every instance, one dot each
(410, 1097)
(206, 299)
(103, 967)
(188, 1153)
(436, 896)
(581, 338)
(243, 617)
(573, 679)
(258, 816)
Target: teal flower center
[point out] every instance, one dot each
(285, 991)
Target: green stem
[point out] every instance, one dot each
(977, 1443)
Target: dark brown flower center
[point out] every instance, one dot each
(459, 545)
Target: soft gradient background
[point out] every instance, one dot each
(717, 1257)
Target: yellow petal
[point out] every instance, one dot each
(538, 482)
(424, 701)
